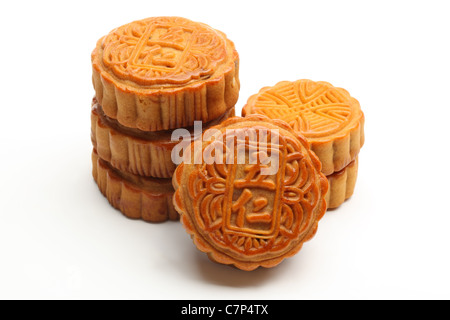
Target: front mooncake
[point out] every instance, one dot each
(242, 209)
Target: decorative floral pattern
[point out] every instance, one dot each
(316, 109)
(163, 50)
(246, 213)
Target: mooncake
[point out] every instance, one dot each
(136, 197)
(165, 73)
(342, 185)
(329, 118)
(251, 193)
(148, 154)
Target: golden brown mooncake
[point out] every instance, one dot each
(165, 73)
(148, 154)
(329, 118)
(342, 185)
(136, 197)
(242, 209)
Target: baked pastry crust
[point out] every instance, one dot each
(165, 73)
(330, 119)
(136, 197)
(238, 215)
(148, 154)
(342, 185)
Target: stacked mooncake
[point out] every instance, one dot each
(152, 77)
(329, 118)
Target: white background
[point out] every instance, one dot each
(60, 239)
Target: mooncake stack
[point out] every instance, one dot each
(329, 118)
(152, 77)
